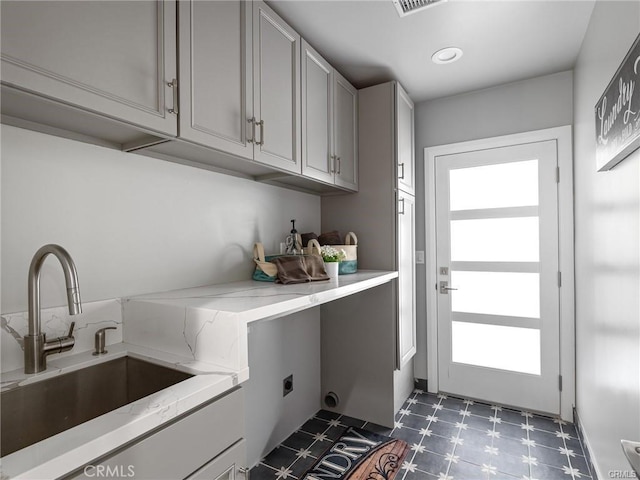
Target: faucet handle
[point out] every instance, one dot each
(71, 327)
(99, 340)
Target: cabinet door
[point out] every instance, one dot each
(345, 132)
(229, 465)
(113, 58)
(276, 90)
(406, 343)
(405, 141)
(216, 92)
(317, 110)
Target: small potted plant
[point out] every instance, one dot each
(332, 258)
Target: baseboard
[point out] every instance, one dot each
(593, 467)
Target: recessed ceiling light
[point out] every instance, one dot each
(446, 55)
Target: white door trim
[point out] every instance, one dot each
(563, 135)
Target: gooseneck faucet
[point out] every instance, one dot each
(36, 346)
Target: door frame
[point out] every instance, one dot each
(563, 137)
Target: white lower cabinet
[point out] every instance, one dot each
(197, 445)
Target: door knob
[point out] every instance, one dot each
(444, 287)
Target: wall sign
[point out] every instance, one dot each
(618, 113)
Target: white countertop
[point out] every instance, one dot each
(200, 330)
(251, 301)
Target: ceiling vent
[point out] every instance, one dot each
(406, 7)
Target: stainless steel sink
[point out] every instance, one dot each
(42, 409)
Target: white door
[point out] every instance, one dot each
(498, 280)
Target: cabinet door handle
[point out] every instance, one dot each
(401, 165)
(332, 168)
(401, 212)
(174, 85)
(339, 164)
(252, 121)
(261, 125)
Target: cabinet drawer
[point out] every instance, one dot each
(229, 465)
(184, 446)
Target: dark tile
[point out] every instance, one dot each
(574, 444)
(421, 409)
(580, 463)
(473, 452)
(301, 466)
(503, 476)
(479, 423)
(510, 446)
(299, 440)
(544, 423)
(427, 398)
(545, 472)
(443, 429)
(327, 415)
(550, 456)
(510, 430)
(453, 403)
(375, 428)
(437, 444)
(314, 426)
(466, 471)
(512, 465)
(450, 416)
(351, 422)
(431, 463)
(333, 433)
(417, 475)
(512, 416)
(262, 472)
(481, 409)
(546, 439)
(414, 421)
(570, 429)
(409, 435)
(280, 457)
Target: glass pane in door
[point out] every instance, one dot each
(495, 346)
(495, 240)
(496, 293)
(494, 186)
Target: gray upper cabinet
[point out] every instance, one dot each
(216, 75)
(345, 101)
(117, 59)
(405, 154)
(276, 90)
(317, 113)
(329, 123)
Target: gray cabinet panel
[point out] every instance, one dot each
(406, 342)
(229, 465)
(405, 138)
(184, 446)
(114, 58)
(276, 55)
(345, 132)
(316, 116)
(216, 96)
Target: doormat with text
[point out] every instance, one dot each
(359, 455)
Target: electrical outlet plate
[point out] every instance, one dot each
(420, 257)
(287, 385)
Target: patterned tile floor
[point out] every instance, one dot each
(450, 439)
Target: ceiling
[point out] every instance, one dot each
(503, 40)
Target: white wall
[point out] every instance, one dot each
(132, 224)
(607, 235)
(533, 104)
